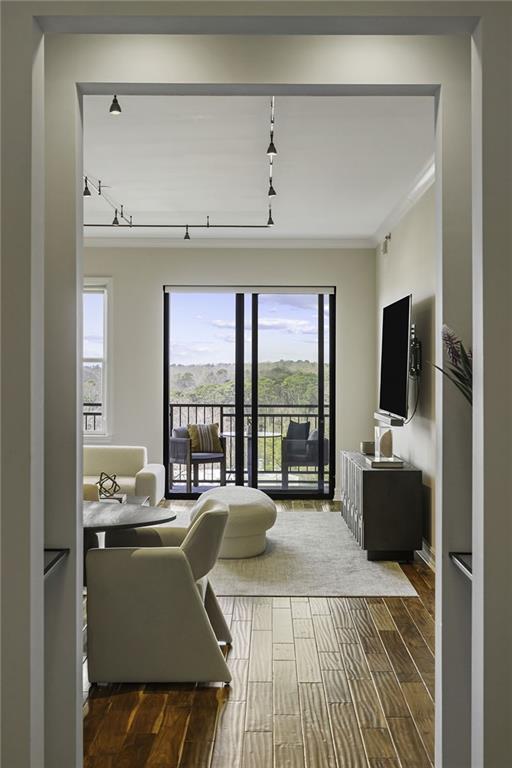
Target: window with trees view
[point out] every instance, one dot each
(95, 357)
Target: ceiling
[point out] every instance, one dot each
(344, 165)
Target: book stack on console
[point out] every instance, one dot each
(390, 462)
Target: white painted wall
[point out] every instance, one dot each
(137, 304)
(410, 267)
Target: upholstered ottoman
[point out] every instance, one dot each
(251, 514)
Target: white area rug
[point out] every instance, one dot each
(309, 553)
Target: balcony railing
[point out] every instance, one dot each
(273, 421)
(93, 418)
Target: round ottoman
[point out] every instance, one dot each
(251, 514)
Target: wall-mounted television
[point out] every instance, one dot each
(394, 360)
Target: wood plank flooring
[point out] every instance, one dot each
(317, 683)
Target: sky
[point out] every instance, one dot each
(203, 327)
(93, 324)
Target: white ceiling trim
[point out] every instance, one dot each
(275, 243)
(421, 184)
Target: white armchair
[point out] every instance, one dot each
(130, 464)
(152, 615)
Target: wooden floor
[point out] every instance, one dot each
(317, 682)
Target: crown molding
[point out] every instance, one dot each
(420, 185)
(210, 242)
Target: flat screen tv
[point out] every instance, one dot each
(394, 361)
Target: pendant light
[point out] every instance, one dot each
(270, 222)
(271, 151)
(115, 222)
(271, 190)
(87, 191)
(187, 236)
(115, 107)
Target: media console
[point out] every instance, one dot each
(382, 507)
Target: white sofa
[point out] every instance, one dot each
(130, 465)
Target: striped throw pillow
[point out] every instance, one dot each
(205, 438)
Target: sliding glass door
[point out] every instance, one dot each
(258, 362)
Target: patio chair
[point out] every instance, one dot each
(180, 452)
(301, 449)
(152, 615)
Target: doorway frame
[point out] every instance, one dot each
(20, 488)
(277, 494)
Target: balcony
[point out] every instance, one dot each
(273, 421)
(273, 424)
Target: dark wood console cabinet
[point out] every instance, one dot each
(382, 507)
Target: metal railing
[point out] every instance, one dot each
(92, 418)
(273, 421)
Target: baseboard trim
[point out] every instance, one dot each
(428, 556)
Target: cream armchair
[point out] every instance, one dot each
(130, 464)
(152, 615)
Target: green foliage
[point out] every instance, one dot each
(286, 382)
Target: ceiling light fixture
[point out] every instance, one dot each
(271, 190)
(90, 182)
(115, 107)
(118, 208)
(271, 151)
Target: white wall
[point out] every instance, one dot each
(137, 304)
(410, 267)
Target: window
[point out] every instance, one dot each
(95, 366)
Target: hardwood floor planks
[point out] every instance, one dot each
(257, 750)
(348, 744)
(408, 743)
(337, 690)
(287, 729)
(390, 694)
(318, 745)
(260, 663)
(308, 663)
(288, 756)
(258, 716)
(285, 688)
(282, 626)
(325, 634)
(241, 634)
(367, 705)
(422, 711)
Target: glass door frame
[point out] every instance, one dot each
(320, 491)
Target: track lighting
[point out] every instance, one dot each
(115, 108)
(91, 184)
